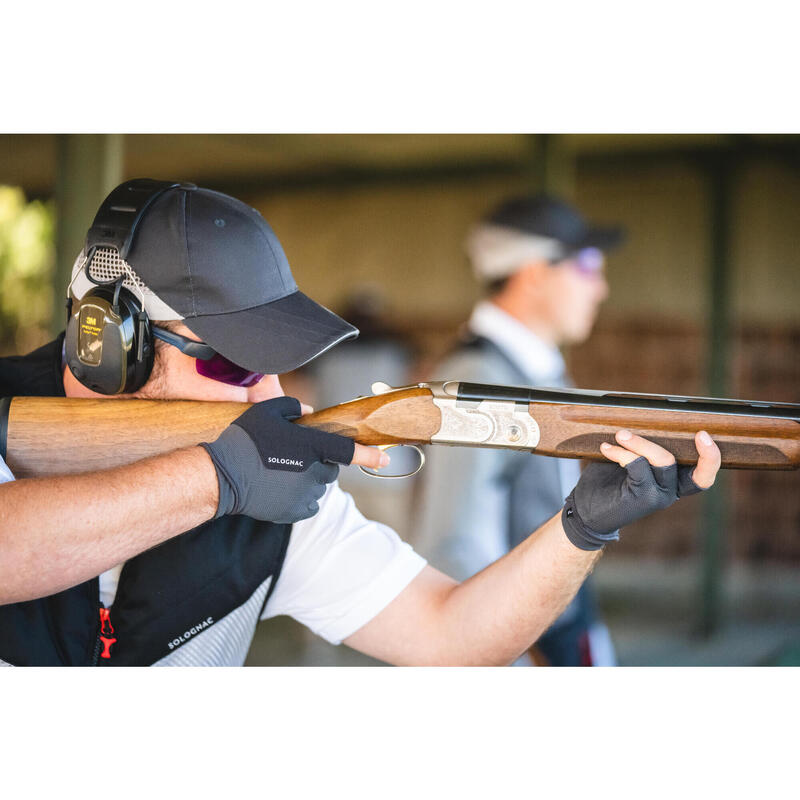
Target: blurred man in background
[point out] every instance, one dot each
(541, 266)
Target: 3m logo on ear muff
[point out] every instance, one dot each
(90, 339)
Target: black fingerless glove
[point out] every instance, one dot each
(607, 497)
(270, 469)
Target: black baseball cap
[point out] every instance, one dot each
(219, 266)
(547, 216)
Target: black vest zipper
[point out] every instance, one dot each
(105, 637)
(105, 634)
(96, 655)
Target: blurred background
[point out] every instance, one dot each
(704, 300)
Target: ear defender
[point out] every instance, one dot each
(109, 342)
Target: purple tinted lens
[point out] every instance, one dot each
(218, 368)
(589, 260)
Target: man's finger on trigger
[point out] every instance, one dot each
(708, 464)
(306, 409)
(369, 457)
(613, 452)
(654, 453)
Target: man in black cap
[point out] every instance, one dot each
(541, 266)
(205, 276)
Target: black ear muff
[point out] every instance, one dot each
(109, 343)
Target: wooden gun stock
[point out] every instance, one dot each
(57, 436)
(42, 436)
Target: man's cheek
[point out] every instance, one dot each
(267, 388)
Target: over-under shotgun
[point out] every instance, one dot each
(46, 436)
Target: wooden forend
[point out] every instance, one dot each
(745, 442)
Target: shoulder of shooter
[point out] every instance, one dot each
(44, 436)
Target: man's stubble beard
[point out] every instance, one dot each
(156, 386)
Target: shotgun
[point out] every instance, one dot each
(46, 436)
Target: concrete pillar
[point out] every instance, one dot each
(88, 167)
(715, 502)
(552, 165)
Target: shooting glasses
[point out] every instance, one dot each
(208, 362)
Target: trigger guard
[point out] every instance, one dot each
(394, 477)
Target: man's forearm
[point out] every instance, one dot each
(531, 586)
(58, 532)
(489, 619)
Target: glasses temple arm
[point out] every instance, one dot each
(188, 346)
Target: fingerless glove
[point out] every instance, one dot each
(607, 497)
(270, 469)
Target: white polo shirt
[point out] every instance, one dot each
(5, 472)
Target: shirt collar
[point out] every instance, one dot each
(536, 358)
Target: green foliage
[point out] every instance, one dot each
(27, 258)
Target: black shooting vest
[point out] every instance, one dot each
(194, 599)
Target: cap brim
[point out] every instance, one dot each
(602, 238)
(276, 337)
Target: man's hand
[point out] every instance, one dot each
(273, 470)
(644, 479)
